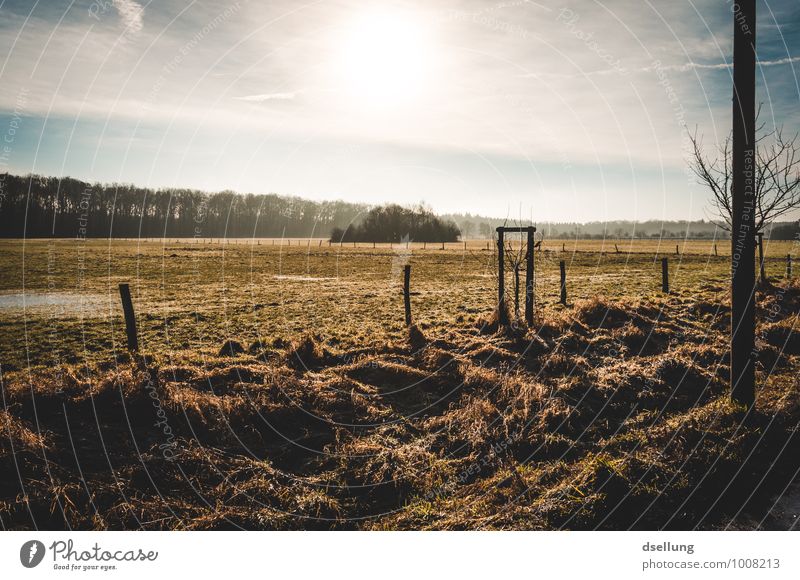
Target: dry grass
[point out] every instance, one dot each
(611, 413)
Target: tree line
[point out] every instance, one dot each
(395, 223)
(35, 206)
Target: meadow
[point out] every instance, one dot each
(277, 387)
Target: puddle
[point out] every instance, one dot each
(62, 303)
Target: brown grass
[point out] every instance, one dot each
(609, 414)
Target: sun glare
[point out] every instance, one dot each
(384, 59)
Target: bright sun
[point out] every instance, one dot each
(384, 59)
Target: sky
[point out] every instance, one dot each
(551, 111)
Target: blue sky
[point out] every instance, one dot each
(551, 110)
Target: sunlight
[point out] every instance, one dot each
(384, 59)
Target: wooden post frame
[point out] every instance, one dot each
(529, 272)
(130, 318)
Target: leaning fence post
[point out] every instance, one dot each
(761, 257)
(130, 318)
(407, 292)
(665, 275)
(563, 267)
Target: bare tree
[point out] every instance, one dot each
(776, 174)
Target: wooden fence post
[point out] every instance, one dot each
(761, 271)
(501, 274)
(407, 292)
(788, 266)
(665, 275)
(529, 280)
(563, 267)
(677, 251)
(130, 317)
(715, 250)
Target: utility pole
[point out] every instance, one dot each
(743, 193)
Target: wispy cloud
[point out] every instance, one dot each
(288, 96)
(131, 14)
(720, 66)
(686, 67)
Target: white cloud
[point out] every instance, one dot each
(131, 14)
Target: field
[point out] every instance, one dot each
(277, 387)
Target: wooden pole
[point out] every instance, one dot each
(665, 275)
(563, 267)
(130, 317)
(407, 292)
(501, 274)
(529, 297)
(742, 380)
(715, 250)
(788, 266)
(761, 271)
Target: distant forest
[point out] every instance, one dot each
(473, 226)
(35, 206)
